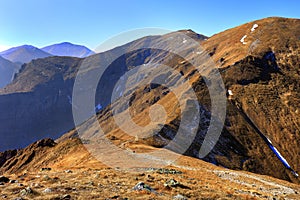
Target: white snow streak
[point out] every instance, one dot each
(243, 39)
(254, 27)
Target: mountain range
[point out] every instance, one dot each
(259, 65)
(24, 54)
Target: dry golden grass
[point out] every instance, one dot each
(201, 180)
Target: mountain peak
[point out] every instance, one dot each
(68, 49)
(23, 54)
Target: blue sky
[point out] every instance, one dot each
(90, 22)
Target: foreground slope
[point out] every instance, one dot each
(50, 170)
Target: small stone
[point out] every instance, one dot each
(47, 190)
(35, 185)
(46, 178)
(46, 169)
(26, 191)
(171, 183)
(150, 177)
(180, 197)
(68, 171)
(142, 186)
(174, 183)
(13, 181)
(66, 197)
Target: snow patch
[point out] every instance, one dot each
(198, 52)
(184, 41)
(243, 39)
(230, 92)
(283, 160)
(254, 27)
(269, 140)
(98, 107)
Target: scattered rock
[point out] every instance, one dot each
(174, 183)
(46, 178)
(91, 183)
(168, 171)
(35, 185)
(4, 179)
(13, 181)
(180, 197)
(46, 169)
(66, 197)
(47, 190)
(141, 186)
(150, 178)
(68, 171)
(26, 191)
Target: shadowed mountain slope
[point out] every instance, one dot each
(7, 71)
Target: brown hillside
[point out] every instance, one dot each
(262, 74)
(66, 168)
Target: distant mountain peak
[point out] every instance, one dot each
(68, 49)
(23, 54)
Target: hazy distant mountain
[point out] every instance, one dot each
(7, 70)
(23, 54)
(68, 49)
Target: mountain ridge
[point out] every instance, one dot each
(268, 69)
